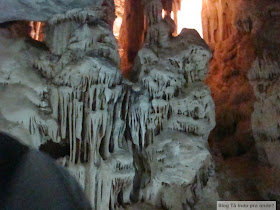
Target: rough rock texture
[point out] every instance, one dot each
(131, 33)
(128, 142)
(24, 100)
(243, 35)
(265, 121)
(233, 54)
(181, 116)
(264, 78)
(39, 10)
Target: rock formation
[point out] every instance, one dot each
(131, 33)
(264, 78)
(243, 78)
(39, 10)
(140, 141)
(180, 115)
(225, 30)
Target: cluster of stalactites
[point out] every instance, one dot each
(88, 100)
(104, 118)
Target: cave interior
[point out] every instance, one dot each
(148, 104)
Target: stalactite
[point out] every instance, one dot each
(109, 122)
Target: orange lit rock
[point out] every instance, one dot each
(244, 79)
(36, 30)
(234, 52)
(131, 34)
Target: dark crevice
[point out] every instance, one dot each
(55, 150)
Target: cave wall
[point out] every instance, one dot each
(241, 34)
(227, 28)
(244, 79)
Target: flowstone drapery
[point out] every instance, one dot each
(129, 141)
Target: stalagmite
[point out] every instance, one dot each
(181, 112)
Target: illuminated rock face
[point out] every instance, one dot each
(129, 141)
(131, 33)
(243, 55)
(235, 32)
(230, 35)
(244, 78)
